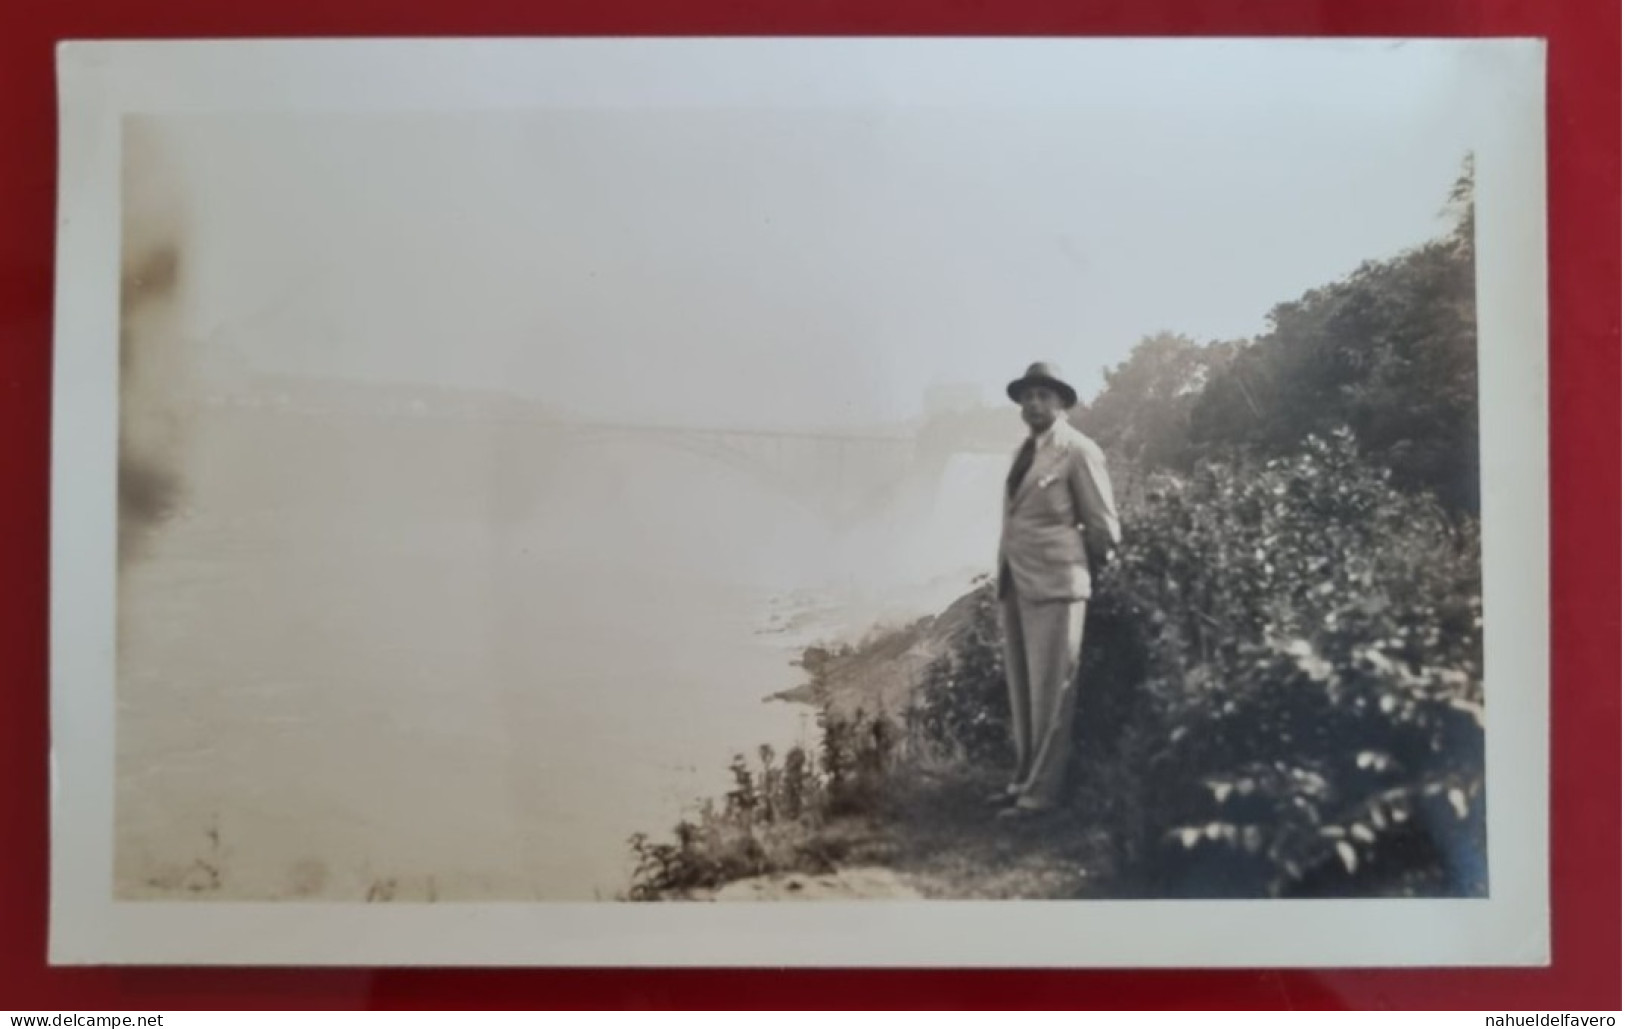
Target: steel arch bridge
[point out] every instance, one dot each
(838, 477)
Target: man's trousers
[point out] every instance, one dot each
(1043, 643)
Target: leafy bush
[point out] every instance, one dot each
(856, 759)
(1315, 670)
(961, 709)
(1282, 686)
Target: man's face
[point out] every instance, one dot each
(1040, 406)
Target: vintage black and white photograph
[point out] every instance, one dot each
(1070, 488)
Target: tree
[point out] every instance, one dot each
(1144, 412)
(1390, 350)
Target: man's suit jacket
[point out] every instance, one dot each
(1061, 513)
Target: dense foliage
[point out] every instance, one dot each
(1389, 352)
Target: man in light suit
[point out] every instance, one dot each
(1059, 521)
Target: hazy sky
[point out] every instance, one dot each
(794, 267)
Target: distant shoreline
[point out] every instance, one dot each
(802, 694)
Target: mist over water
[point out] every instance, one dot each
(456, 661)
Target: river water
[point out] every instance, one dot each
(441, 666)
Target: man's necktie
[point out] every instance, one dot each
(1024, 463)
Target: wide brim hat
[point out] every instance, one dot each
(1043, 373)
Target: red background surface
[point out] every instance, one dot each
(1584, 178)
